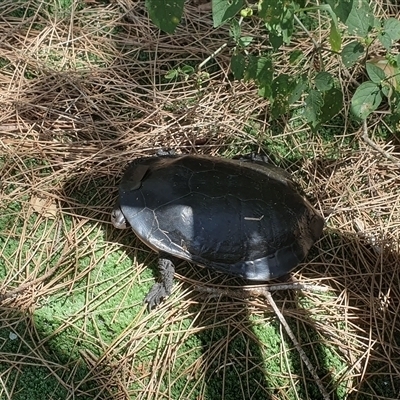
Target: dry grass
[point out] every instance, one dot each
(82, 93)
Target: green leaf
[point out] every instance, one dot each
(187, 69)
(238, 65)
(279, 107)
(222, 10)
(270, 11)
(265, 91)
(282, 85)
(260, 70)
(287, 23)
(335, 39)
(388, 66)
(244, 41)
(295, 56)
(265, 72)
(386, 40)
(360, 19)
(386, 91)
(341, 8)
(377, 24)
(392, 27)
(323, 81)
(250, 72)
(375, 73)
(321, 107)
(275, 40)
(351, 53)
(366, 99)
(165, 14)
(333, 104)
(314, 102)
(298, 90)
(278, 16)
(172, 74)
(395, 104)
(390, 33)
(235, 30)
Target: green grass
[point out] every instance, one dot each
(99, 307)
(47, 373)
(295, 147)
(93, 313)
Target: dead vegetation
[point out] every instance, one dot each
(82, 93)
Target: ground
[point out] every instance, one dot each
(83, 91)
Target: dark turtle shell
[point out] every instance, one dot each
(243, 218)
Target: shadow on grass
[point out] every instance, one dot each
(237, 341)
(247, 353)
(33, 367)
(239, 368)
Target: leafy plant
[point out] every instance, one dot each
(184, 72)
(383, 82)
(319, 91)
(165, 14)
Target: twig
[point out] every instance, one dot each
(216, 52)
(287, 286)
(259, 290)
(264, 291)
(303, 355)
(367, 140)
(12, 294)
(23, 287)
(315, 43)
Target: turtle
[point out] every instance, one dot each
(241, 217)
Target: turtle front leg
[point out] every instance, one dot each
(163, 288)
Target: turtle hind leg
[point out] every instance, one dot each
(163, 288)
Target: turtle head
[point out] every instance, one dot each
(118, 218)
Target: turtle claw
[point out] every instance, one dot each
(156, 294)
(162, 289)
